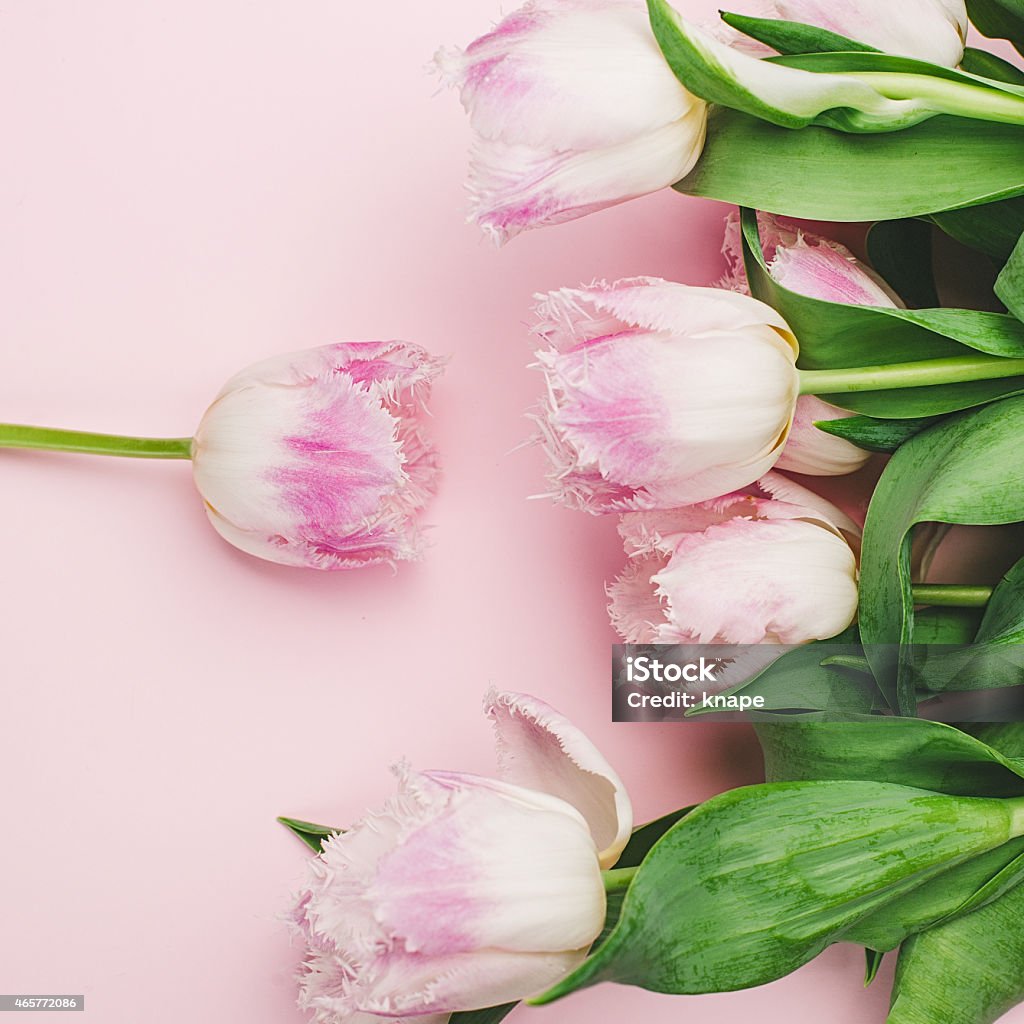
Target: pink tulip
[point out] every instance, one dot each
(811, 265)
(573, 109)
(660, 394)
(930, 30)
(773, 563)
(317, 458)
(466, 892)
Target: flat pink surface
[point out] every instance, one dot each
(186, 188)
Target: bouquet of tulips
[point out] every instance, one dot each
(686, 412)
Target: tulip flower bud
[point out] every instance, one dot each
(573, 109)
(811, 265)
(316, 458)
(931, 30)
(660, 394)
(466, 892)
(770, 564)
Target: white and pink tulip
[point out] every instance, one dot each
(317, 458)
(812, 265)
(660, 394)
(773, 563)
(930, 30)
(465, 892)
(573, 109)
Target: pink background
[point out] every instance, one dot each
(186, 188)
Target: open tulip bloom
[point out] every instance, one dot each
(464, 892)
(316, 458)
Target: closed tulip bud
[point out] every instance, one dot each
(317, 458)
(466, 892)
(816, 266)
(660, 394)
(773, 563)
(573, 109)
(931, 30)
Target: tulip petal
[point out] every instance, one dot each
(542, 750)
(407, 984)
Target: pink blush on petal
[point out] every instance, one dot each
(422, 890)
(343, 463)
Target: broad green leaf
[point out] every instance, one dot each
(965, 469)
(996, 656)
(988, 65)
(959, 890)
(946, 625)
(875, 435)
(790, 36)
(1006, 737)
(819, 174)
(312, 835)
(999, 19)
(991, 228)
(834, 335)
(1009, 286)
(901, 251)
(905, 751)
(757, 881)
(967, 971)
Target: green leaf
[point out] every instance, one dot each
(790, 36)
(757, 881)
(967, 971)
(965, 469)
(873, 960)
(1009, 286)
(988, 65)
(799, 682)
(904, 751)
(834, 335)
(819, 174)
(875, 435)
(312, 835)
(491, 1015)
(901, 251)
(999, 19)
(995, 658)
(946, 625)
(992, 228)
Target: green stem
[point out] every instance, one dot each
(14, 435)
(946, 96)
(951, 595)
(919, 374)
(618, 879)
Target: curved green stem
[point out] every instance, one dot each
(618, 879)
(13, 435)
(951, 595)
(946, 96)
(923, 373)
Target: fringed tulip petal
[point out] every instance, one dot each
(464, 892)
(317, 458)
(774, 564)
(541, 749)
(660, 394)
(573, 109)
